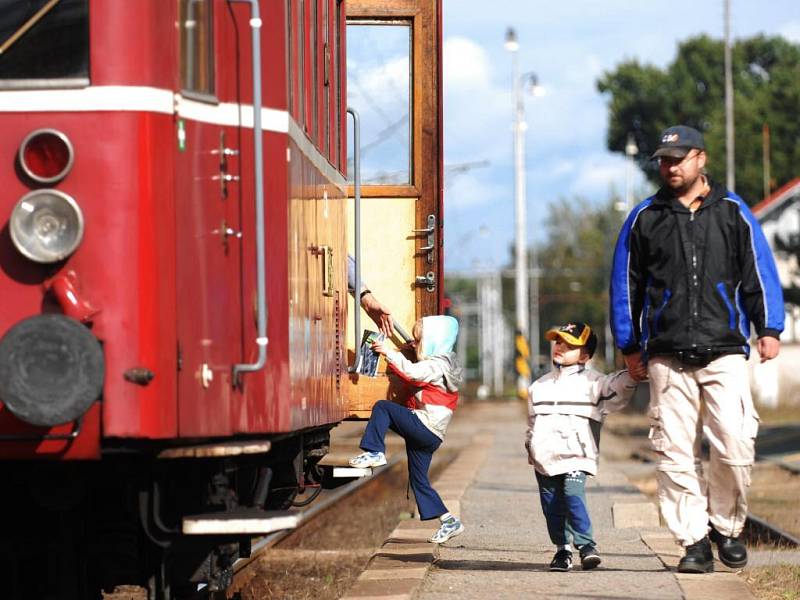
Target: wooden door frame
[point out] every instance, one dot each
(426, 131)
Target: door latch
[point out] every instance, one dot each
(428, 281)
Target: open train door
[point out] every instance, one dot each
(394, 84)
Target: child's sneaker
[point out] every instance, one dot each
(589, 556)
(562, 561)
(449, 528)
(366, 460)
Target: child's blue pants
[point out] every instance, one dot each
(421, 443)
(564, 504)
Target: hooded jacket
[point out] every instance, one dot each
(565, 410)
(436, 376)
(693, 281)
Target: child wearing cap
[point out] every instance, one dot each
(422, 424)
(566, 408)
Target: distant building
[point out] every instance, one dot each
(779, 215)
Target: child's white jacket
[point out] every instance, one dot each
(566, 408)
(436, 380)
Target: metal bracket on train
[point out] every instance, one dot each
(428, 281)
(29, 437)
(430, 232)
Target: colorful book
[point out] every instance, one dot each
(368, 359)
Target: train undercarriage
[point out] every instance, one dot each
(82, 530)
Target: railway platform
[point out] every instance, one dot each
(505, 552)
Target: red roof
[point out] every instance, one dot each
(773, 201)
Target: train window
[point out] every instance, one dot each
(313, 97)
(379, 88)
(326, 100)
(197, 47)
(338, 117)
(44, 43)
(301, 61)
(290, 54)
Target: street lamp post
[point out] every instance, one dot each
(520, 212)
(522, 305)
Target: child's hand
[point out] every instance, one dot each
(379, 347)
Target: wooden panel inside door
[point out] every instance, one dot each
(394, 82)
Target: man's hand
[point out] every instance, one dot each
(378, 313)
(636, 367)
(379, 347)
(768, 348)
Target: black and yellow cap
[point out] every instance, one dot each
(575, 333)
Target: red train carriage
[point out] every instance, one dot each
(173, 266)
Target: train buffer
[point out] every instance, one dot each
(244, 521)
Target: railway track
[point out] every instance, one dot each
(327, 500)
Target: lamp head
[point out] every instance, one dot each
(511, 44)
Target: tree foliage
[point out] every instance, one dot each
(576, 264)
(644, 100)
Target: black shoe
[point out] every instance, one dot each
(731, 551)
(562, 561)
(698, 558)
(589, 557)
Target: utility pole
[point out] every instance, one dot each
(765, 147)
(729, 131)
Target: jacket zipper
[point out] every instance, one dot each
(693, 291)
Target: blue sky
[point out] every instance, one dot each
(568, 44)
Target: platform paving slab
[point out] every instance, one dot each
(505, 551)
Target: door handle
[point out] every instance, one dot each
(430, 243)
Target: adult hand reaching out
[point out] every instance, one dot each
(378, 313)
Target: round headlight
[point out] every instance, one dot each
(46, 155)
(46, 225)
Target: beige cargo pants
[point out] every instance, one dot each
(686, 402)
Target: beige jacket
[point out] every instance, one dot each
(566, 408)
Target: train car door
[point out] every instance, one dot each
(394, 82)
(209, 301)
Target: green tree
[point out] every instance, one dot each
(644, 100)
(576, 264)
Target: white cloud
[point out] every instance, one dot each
(791, 31)
(466, 65)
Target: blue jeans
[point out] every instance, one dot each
(563, 500)
(421, 443)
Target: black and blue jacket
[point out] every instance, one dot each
(684, 281)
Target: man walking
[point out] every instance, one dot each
(691, 272)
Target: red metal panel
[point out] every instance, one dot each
(123, 264)
(133, 43)
(209, 303)
(265, 406)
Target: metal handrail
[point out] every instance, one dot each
(357, 242)
(261, 278)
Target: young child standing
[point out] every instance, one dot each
(423, 423)
(566, 408)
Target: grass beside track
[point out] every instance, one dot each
(776, 582)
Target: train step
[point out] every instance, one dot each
(351, 472)
(241, 521)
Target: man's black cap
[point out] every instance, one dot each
(676, 142)
(575, 333)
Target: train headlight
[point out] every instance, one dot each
(46, 225)
(46, 155)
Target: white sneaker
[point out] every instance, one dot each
(366, 460)
(449, 528)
